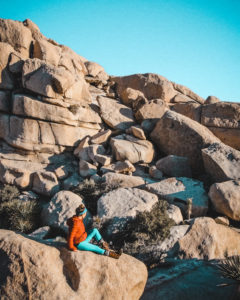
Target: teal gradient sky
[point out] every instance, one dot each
(192, 42)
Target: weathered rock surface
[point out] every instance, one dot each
(153, 111)
(121, 180)
(187, 92)
(208, 240)
(61, 207)
(130, 96)
(155, 173)
(174, 213)
(189, 109)
(115, 114)
(223, 119)
(178, 190)
(221, 162)
(211, 100)
(101, 137)
(153, 86)
(122, 204)
(178, 135)
(175, 166)
(38, 271)
(225, 198)
(45, 183)
(137, 132)
(126, 147)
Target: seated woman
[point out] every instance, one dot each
(79, 239)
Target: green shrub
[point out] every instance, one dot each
(19, 215)
(8, 193)
(230, 267)
(91, 191)
(145, 230)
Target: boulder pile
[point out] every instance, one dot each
(64, 120)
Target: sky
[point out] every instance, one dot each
(192, 42)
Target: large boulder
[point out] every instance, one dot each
(208, 240)
(61, 207)
(45, 183)
(121, 180)
(30, 269)
(119, 206)
(178, 135)
(153, 86)
(115, 114)
(178, 190)
(126, 147)
(187, 92)
(221, 162)
(189, 109)
(174, 166)
(6, 80)
(225, 198)
(17, 35)
(34, 135)
(54, 82)
(223, 119)
(27, 106)
(151, 111)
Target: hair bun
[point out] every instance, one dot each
(80, 209)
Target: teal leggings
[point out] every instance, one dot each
(87, 246)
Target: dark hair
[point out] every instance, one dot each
(80, 209)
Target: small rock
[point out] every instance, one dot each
(61, 173)
(121, 180)
(137, 132)
(45, 183)
(40, 233)
(155, 173)
(86, 169)
(174, 213)
(72, 181)
(222, 220)
(101, 137)
(211, 100)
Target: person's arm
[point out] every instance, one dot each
(71, 237)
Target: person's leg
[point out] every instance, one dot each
(85, 246)
(94, 233)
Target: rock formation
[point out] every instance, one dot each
(65, 122)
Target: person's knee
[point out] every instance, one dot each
(95, 230)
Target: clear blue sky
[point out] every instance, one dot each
(192, 42)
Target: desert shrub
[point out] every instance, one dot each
(91, 191)
(18, 215)
(8, 193)
(230, 267)
(141, 234)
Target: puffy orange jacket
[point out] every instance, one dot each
(76, 232)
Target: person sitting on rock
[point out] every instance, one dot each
(79, 239)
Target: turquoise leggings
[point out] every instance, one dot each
(87, 246)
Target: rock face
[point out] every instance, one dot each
(223, 119)
(178, 190)
(178, 135)
(225, 198)
(123, 204)
(175, 166)
(189, 109)
(221, 162)
(126, 147)
(35, 270)
(121, 180)
(153, 86)
(208, 240)
(61, 207)
(114, 114)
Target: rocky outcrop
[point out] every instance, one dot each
(208, 240)
(178, 135)
(225, 198)
(121, 180)
(221, 162)
(178, 190)
(39, 271)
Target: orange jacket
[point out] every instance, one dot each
(76, 232)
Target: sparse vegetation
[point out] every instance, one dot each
(146, 230)
(230, 267)
(16, 214)
(91, 191)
